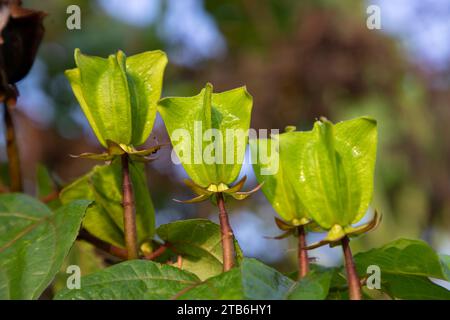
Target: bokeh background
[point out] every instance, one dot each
(300, 60)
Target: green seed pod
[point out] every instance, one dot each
(209, 133)
(274, 161)
(119, 95)
(334, 174)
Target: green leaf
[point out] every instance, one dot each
(413, 288)
(403, 257)
(221, 111)
(46, 186)
(445, 260)
(314, 286)
(104, 219)
(275, 160)
(251, 280)
(137, 279)
(199, 243)
(97, 220)
(320, 283)
(406, 266)
(33, 243)
(83, 255)
(119, 95)
(335, 170)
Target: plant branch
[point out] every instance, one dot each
(227, 235)
(354, 284)
(303, 260)
(12, 150)
(100, 244)
(50, 197)
(129, 214)
(158, 252)
(116, 251)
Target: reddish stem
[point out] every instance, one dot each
(227, 235)
(96, 242)
(158, 252)
(50, 197)
(303, 260)
(354, 284)
(129, 214)
(12, 150)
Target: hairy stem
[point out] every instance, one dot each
(129, 214)
(227, 235)
(303, 260)
(12, 150)
(354, 284)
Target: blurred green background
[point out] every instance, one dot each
(300, 60)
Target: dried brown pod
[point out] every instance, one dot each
(22, 31)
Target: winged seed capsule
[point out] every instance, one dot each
(118, 95)
(337, 162)
(325, 176)
(202, 141)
